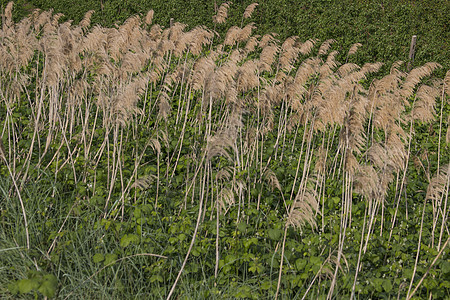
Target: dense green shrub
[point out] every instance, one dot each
(383, 27)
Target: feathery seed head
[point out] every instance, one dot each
(222, 13)
(307, 46)
(267, 39)
(246, 32)
(423, 109)
(353, 49)
(249, 10)
(232, 35)
(447, 83)
(303, 209)
(325, 46)
(86, 21)
(8, 14)
(149, 17)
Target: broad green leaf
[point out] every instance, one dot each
(181, 237)
(156, 277)
(242, 226)
(137, 213)
(109, 258)
(266, 285)
(274, 234)
(445, 267)
(98, 257)
(387, 285)
(378, 284)
(27, 285)
(48, 287)
(13, 288)
(300, 264)
(196, 252)
(127, 239)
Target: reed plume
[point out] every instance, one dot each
(222, 13)
(353, 49)
(249, 10)
(149, 17)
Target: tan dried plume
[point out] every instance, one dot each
(41, 18)
(304, 208)
(307, 46)
(272, 180)
(149, 17)
(390, 156)
(307, 69)
(267, 58)
(55, 19)
(289, 43)
(27, 42)
(328, 98)
(296, 90)
(447, 136)
(396, 148)
(232, 35)
(447, 83)
(8, 14)
(226, 197)
(423, 109)
(249, 10)
(224, 139)
(86, 21)
(415, 76)
(222, 13)
(353, 49)
(325, 46)
(353, 78)
(198, 37)
(328, 67)
(203, 68)
(176, 31)
(439, 185)
(347, 68)
(221, 81)
(2, 151)
(395, 68)
(351, 164)
(246, 32)
(132, 63)
(144, 182)
(367, 183)
(251, 44)
(155, 32)
(267, 39)
(124, 102)
(289, 53)
(377, 154)
(353, 134)
(224, 174)
(321, 162)
(246, 77)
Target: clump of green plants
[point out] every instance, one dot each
(142, 161)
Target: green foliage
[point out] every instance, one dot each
(384, 28)
(36, 281)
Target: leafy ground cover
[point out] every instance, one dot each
(384, 28)
(148, 162)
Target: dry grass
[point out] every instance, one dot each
(78, 79)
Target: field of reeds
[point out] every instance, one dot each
(142, 162)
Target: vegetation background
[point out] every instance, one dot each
(183, 189)
(384, 28)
